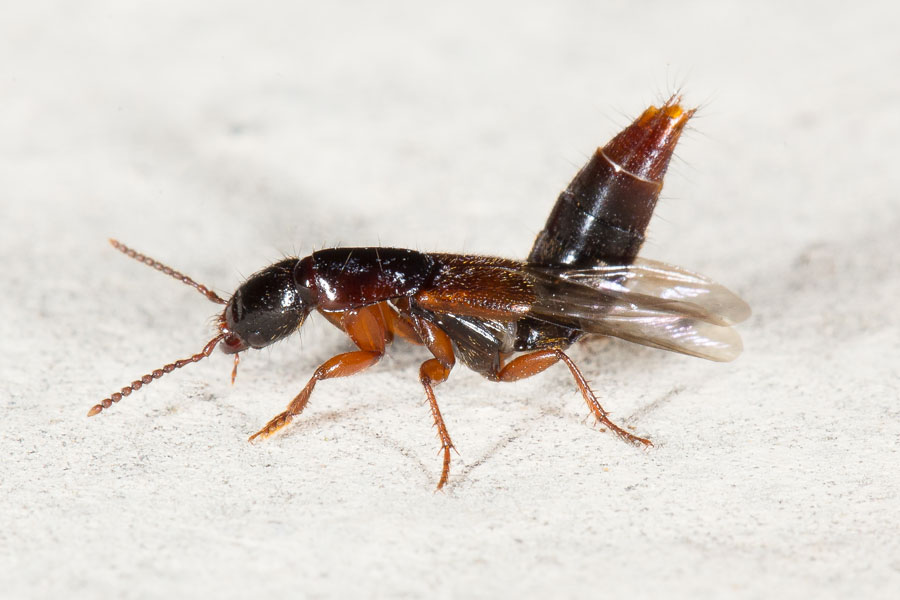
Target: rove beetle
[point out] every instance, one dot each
(505, 319)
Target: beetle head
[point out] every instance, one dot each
(267, 307)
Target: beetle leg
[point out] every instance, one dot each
(432, 372)
(366, 328)
(399, 324)
(341, 365)
(535, 362)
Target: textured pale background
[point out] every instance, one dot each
(217, 136)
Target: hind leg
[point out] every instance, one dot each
(535, 362)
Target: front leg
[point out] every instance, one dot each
(341, 365)
(366, 328)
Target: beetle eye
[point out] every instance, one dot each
(237, 306)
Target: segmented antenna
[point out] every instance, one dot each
(139, 383)
(167, 270)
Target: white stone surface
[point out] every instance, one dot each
(217, 136)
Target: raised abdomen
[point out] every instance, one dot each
(603, 214)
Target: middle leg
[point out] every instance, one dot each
(432, 372)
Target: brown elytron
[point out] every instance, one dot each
(505, 319)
